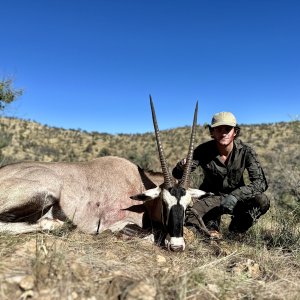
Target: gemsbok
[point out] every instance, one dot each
(97, 195)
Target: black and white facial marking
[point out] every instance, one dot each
(175, 201)
(173, 210)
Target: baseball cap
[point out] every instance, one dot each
(223, 118)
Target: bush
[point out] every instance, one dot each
(7, 93)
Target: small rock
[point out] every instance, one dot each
(118, 273)
(215, 235)
(188, 235)
(141, 291)
(248, 267)
(27, 283)
(213, 288)
(149, 238)
(161, 259)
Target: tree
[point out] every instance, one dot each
(8, 94)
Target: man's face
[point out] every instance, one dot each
(224, 134)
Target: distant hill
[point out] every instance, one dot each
(277, 145)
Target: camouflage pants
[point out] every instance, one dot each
(243, 217)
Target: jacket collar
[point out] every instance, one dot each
(238, 144)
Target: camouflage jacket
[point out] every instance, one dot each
(222, 179)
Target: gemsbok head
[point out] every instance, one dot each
(175, 197)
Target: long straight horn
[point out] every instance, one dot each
(185, 181)
(167, 177)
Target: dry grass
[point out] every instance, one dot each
(24, 140)
(262, 264)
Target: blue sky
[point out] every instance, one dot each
(92, 64)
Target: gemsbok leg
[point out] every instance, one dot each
(26, 204)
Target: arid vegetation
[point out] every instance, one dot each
(262, 264)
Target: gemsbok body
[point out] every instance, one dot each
(105, 193)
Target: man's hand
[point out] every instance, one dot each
(182, 163)
(228, 204)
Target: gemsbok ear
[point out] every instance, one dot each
(195, 193)
(147, 195)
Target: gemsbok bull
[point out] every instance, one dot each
(97, 195)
